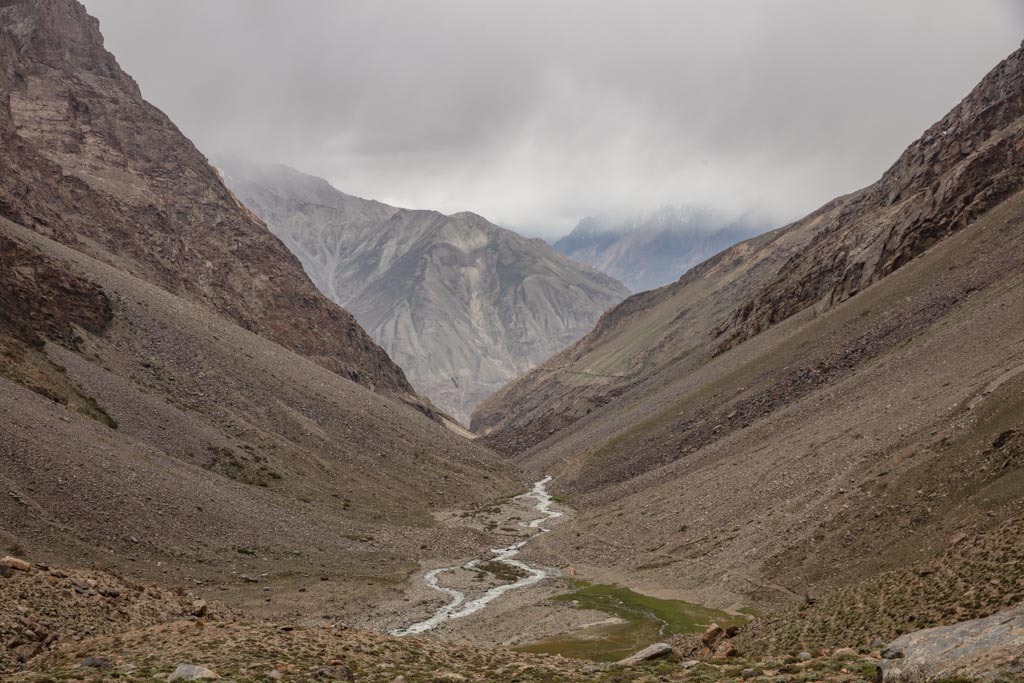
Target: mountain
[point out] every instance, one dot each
(178, 399)
(650, 250)
(830, 410)
(78, 134)
(461, 304)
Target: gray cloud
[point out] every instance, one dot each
(535, 113)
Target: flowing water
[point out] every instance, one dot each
(458, 606)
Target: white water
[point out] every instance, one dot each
(458, 607)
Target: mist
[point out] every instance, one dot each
(535, 114)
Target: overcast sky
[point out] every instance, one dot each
(535, 113)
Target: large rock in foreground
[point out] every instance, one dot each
(656, 651)
(987, 648)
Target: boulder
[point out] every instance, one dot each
(711, 636)
(15, 563)
(977, 649)
(192, 672)
(647, 654)
(724, 650)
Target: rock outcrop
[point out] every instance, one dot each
(655, 651)
(981, 649)
(962, 166)
(461, 304)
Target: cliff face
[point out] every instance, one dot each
(89, 163)
(463, 305)
(960, 168)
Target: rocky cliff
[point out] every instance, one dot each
(961, 167)
(89, 163)
(461, 304)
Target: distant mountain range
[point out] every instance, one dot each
(649, 250)
(462, 305)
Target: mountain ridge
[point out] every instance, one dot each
(462, 304)
(864, 418)
(650, 250)
(80, 135)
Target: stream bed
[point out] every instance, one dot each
(458, 606)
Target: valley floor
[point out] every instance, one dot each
(91, 626)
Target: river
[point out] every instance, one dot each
(457, 606)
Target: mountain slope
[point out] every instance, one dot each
(654, 249)
(821, 409)
(90, 163)
(962, 166)
(461, 304)
(178, 400)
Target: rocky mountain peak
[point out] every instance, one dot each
(89, 163)
(462, 304)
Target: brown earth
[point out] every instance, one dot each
(240, 456)
(178, 405)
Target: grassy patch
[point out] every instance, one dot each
(645, 620)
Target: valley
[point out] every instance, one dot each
(234, 405)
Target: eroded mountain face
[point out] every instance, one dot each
(178, 400)
(89, 163)
(961, 167)
(461, 304)
(651, 250)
